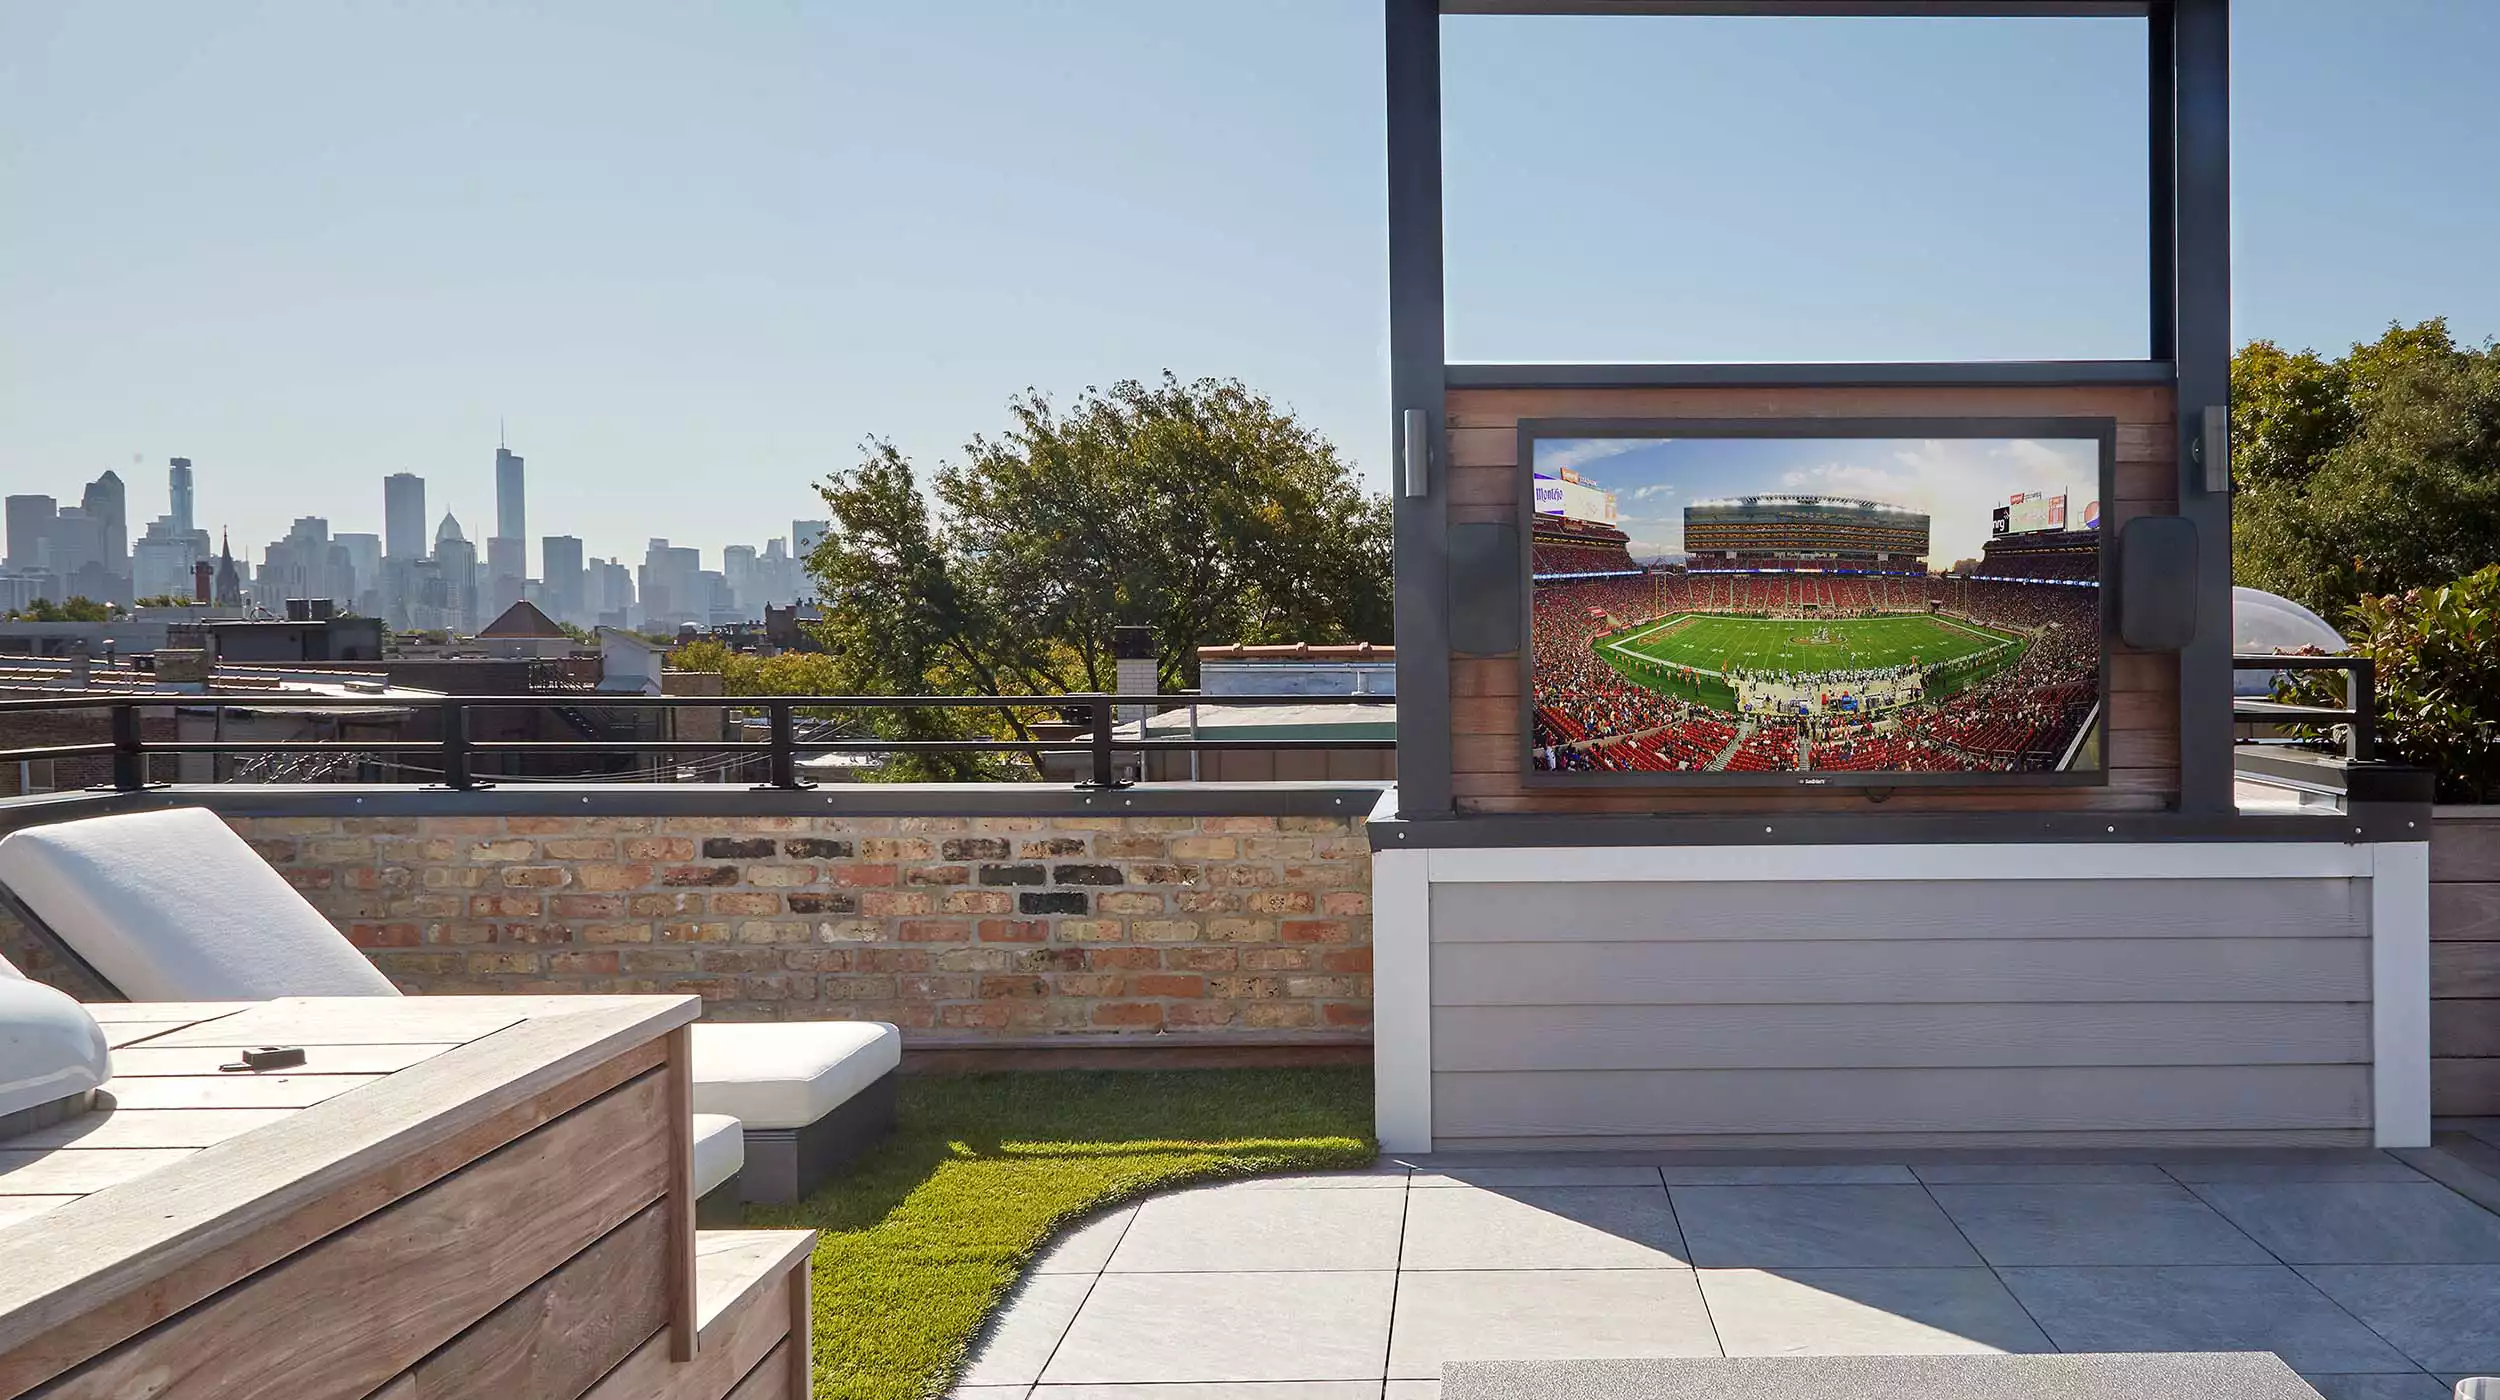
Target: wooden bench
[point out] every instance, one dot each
(453, 1195)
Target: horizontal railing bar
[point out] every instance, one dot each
(56, 751)
(674, 702)
(2258, 661)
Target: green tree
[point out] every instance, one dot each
(2437, 655)
(1201, 509)
(2374, 473)
(78, 609)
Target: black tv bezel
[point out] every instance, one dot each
(2103, 430)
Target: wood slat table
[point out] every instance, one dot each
(430, 1160)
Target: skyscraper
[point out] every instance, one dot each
(457, 558)
(403, 516)
(109, 506)
(178, 485)
(805, 535)
(30, 527)
(511, 517)
(560, 575)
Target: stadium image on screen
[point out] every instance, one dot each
(1816, 607)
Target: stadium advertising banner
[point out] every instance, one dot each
(1817, 630)
(1568, 496)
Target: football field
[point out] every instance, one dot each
(1798, 646)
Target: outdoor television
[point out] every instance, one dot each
(1817, 602)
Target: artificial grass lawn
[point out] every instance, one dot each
(928, 1232)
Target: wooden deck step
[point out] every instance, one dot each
(750, 1320)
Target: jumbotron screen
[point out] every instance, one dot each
(1768, 606)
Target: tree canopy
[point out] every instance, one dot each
(77, 609)
(2372, 473)
(1201, 509)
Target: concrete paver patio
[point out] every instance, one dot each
(2374, 1281)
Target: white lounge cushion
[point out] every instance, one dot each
(50, 1048)
(173, 906)
(788, 1074)
(720, 1149)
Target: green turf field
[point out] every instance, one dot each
(1710, 644)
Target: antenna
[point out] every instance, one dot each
(499, 442)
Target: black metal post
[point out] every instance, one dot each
(1105, 776)
(784, 760)
(130, 764)
(2361, 694)
(456, 775)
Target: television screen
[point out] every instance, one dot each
(1810, 603)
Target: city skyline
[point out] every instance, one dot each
(412, 573)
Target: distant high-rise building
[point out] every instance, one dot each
(805, 535)
(403, 516)
(178, 486)
(561, 581)
(363, 584)
(456, 558)
(671, 587)
(30, 529)
(109, 505)
(511, 515)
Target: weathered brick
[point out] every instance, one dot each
(780, 876)
(1167, 984)
(737, 847)
(977, 959)
(502, 962)
(864, 876)
(582, 964)
(995, 987)
(1129, 902)
(1049, 847)
(1011, 930)
(1012, 874)
(1166, 930)
(694, 933)
(978, 902)
(1279, 1015)
(506, 906)
(1347, 1013)
(382, 935)
(971, 848)
(674, 850)
(598, 848)
(746, 902)
(1121, 846)
(1347, 960)
(896, 848)
(1203, 959)
(934, 931)
(889, 904)
(1061, 959)
(1315, 931)
(611, 877)
(1158, 873)
(503, 850)
(1275, 959)
(700, 875)
(528, 877)
(816, 848)
(938, 875)
(1051, 902)
(893, 960)
(1128, 1013)
(1206, 848)
(1089, 984)
(823, 902)
(1086, 875)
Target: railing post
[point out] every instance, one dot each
(2361, 692)
(456, 775)
(783, 758)
(1105, 776)
(130, 764)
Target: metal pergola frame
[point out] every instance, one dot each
(2188, 306)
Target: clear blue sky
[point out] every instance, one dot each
(695, 254)
(1958, 483)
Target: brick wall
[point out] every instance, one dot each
(956, 928)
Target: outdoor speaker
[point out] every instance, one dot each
(1485, 585)
(2157, 582)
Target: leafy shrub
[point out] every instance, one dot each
(2438, 656)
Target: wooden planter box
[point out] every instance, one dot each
(2465, 961)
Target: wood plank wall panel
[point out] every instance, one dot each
(1488, 753)
(345, 1316)
(2465, 962)
(568, 1329)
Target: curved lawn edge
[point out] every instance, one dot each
(930, 1230)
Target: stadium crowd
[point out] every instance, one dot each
(1589, 717)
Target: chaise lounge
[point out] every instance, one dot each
(173, 906)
